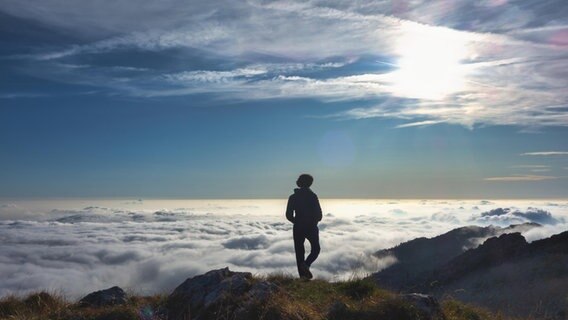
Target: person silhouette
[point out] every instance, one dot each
(304, 211)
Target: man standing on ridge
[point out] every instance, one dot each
(304, 211)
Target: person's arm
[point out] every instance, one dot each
(318, 209)
(290, 209)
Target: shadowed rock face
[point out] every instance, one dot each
(494, 251)
(508, 248)
(504, 274)
(201, 296)
(108, 297)
(557, 244)
(510, 275)
(419, 257)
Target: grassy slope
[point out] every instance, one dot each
(297, 300)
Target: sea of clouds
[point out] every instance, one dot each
(150, 246)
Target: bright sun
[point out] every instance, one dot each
(429, 65)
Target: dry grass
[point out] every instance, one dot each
(353, 299)
(43, 305)
(295, 300)
(39, 305)
(457, 310)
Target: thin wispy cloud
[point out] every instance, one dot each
(546, 153)
(18, 95)
(521, 178)
(440, 63)
(531, 166)
(418, 124)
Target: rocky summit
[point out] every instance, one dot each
(218, 291)
(224, 294)
(108, 297)
(227, 295)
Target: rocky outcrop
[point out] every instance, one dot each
(224, 294)
(201, 297)
(108, 297)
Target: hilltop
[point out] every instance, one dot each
(223, 294)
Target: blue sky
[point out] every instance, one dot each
(227, 99)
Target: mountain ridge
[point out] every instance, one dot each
(505, 273)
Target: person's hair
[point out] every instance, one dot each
(304, 180)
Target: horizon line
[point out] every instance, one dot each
(270, 198)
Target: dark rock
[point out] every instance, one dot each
(427, 305)
(197, 297)
(338, 310)
(108, 297)
(254, 301)
(261, 291)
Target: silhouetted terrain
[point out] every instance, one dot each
(505, 273)
(417, 258)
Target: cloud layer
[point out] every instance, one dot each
(151, 246)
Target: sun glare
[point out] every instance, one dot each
(429, 65)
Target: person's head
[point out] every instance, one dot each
(304, 180)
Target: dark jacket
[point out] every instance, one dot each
(303, 208)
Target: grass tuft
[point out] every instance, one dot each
(358, 288)
(457, 310)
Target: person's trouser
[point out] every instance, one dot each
(301, 233)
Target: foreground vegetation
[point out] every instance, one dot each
(296, 299)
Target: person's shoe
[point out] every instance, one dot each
(309, 274)
(305, 271)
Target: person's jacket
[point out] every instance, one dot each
(303, 208)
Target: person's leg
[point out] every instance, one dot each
(313, 237)
(299, 239)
